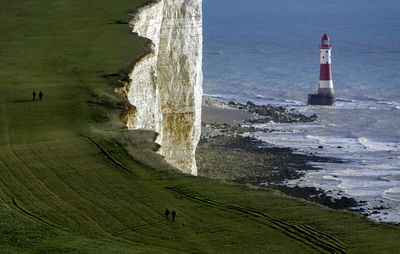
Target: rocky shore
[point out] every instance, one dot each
(260, 113)
(225, 151)
(269, 113)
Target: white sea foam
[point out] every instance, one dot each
(392, 178)
(374, 104)
(288, 127)
(335, 141)
(371, 171)
(392, 194)
(353, 145)
(372, 168)
(364, 187)
(379, 146)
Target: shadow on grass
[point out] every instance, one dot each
(24, 100)
(118, 22)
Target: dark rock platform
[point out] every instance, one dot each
(317, 99)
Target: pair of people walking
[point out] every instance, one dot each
(34, 95)
(167, 213)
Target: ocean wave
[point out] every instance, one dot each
(348, 144)
(375, 172)
(392, 178)
(365, 182)
(379, 146)
(367, 103)
(391, 104)
(215, 96)
(392, 194)
(354, 144)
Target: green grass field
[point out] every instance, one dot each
(67, 187)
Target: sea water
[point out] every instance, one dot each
(268, 52)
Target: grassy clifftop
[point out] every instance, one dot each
(66, 189)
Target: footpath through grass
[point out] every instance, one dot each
(65, 189)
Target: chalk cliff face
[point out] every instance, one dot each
(166, 85)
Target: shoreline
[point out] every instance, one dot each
(226, 153)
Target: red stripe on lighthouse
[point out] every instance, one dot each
(325, 73)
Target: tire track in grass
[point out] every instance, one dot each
(13, 155)
(110, 232)
(305, 234)
(26, 212)
(14, 167)
(67, 185)
(116, 162)
(120, 165)
(103, 232)
(53, 201)
(107, 154)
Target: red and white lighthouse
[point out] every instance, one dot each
(325, 85)
(326, 94)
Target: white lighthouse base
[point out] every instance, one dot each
(318, 99)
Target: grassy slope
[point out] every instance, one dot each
(61, 194)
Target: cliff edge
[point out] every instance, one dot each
(165, 86)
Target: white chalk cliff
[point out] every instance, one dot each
(166, 85)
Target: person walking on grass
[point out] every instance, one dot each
(173, 215)
(166, 214)
(33, 95)
(40, 95)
